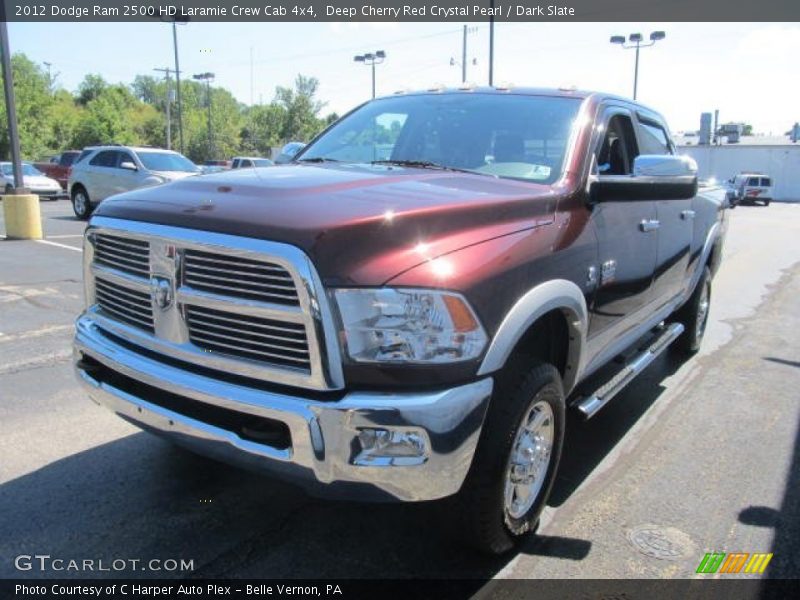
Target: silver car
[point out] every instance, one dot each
(33, 179)
(103, 171)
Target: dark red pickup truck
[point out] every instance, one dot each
(59, 166)
(407, 310)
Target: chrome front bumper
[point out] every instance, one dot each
(324, 435)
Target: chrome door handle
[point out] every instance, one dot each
(687, 214)
(649, 225)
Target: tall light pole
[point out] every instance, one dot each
(491, 45)
(635, 40)
(371, 59)
(11, 111)
(208, 77)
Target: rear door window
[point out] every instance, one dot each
(753, 181)
(106, 158)
(766, 182)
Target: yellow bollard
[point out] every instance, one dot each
(22, 216)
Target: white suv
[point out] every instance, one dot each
(103, 171)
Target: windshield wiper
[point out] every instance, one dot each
(317, 159)
(422, 164)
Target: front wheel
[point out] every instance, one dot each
(516, 460)
(81, 205)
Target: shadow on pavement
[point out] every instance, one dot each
(785, 563)
(782, 361)
(138, 497)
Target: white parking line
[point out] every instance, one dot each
(59, 245)
(64, 236)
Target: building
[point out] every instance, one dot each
(776, 156)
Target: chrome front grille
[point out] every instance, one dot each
(238, 305)
(124, 254)
(124, 304)
(254, 338)
(240, 277)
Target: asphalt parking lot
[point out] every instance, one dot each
(693, 457)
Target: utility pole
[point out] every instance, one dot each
(464, 56)
(49, 66)
(167, 72)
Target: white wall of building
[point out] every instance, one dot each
(781, 162)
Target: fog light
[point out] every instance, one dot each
(385, 447)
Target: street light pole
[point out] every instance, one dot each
(371, 59)
(11, 111)
(178, 84)
(635, 40)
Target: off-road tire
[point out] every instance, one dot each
(482, 519)
(694, 317)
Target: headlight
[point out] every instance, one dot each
(399, 325)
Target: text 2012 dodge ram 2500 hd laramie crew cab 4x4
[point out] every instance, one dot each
(407, 310)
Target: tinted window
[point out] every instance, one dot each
(518, 136)
(653, 139)
(753, 181)
(618, 149)
(68, 159)
(83, 155)
(106, 158)
(262, 162)
(167, 161)
(766, 182)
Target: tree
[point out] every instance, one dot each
(90, 88)
(301, 107)
(34, 104)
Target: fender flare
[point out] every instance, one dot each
(557, 294)
(711, 239)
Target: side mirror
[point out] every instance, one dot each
(655, 177)
(128, 165)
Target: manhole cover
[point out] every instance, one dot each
(665, 543)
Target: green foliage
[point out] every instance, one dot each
(100, 112)
(34, 104)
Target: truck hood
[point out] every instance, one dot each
(359, 224)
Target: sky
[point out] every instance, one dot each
(746, 70)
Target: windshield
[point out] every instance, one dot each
(27, 169)
(262, 162)
(165, 161)
(517, 136)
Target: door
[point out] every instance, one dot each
(124, 180)
(98, 174)
(675, 225)
(626, 239)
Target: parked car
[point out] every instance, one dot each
(103, 171)
(288, 152)
(410, 328)
(749, 187)
(244, 162)
(59, 166)
(32, 178)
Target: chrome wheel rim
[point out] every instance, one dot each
(529, 459)
(80, 203)
(702, 312)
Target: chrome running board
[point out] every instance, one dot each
(589, 405)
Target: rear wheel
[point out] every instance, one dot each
(766, 202)
(516, 460)
(81, 205)
(694, 316)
